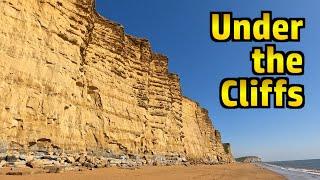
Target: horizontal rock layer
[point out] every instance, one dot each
(71, 80)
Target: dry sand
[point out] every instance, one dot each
(229, 171)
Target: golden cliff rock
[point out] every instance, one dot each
(71, 80)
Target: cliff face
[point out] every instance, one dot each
(71, 80)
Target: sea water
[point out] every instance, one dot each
(299, 169)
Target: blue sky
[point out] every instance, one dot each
(180, 30)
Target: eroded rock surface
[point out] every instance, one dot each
(72, 81)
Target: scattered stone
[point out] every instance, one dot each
(11, 158)
(53, 169)
(14, 173)
(81, 159)
(187, 164)
(88, 165)
(70, 160)
(35, 164)
(51, 157)
(184, 159)
(26, 157)
(56, 163)
(19, 164)
(3, 163)
(113, 161)
(3, 156)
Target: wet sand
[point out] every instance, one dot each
(219, 172)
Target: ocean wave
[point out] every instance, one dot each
(308, 171)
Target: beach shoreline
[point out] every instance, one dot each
(226, 171)
(292, 173)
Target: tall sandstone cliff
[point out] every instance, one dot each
(71, 80)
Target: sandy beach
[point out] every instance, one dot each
(228, 171)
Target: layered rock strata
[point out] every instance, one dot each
(72, 81)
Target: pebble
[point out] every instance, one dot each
(3, 163)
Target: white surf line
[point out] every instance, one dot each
(291, 173)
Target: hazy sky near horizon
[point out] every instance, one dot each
(180, 30)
